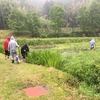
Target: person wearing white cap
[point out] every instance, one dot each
(12, 47)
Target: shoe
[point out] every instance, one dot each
(17, 62)
(12, 61)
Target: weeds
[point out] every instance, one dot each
(46, 58)
(81, 65)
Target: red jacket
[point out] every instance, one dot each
(6, 43)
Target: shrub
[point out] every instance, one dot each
(47, 58)
(83, 66)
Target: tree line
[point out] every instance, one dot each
(50, 20)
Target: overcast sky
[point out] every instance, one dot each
(41, 1)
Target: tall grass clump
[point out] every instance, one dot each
(46, 58)
(86, 68)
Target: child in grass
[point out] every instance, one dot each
(6, 42)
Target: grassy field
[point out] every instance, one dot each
(16, 77)
(60, 85)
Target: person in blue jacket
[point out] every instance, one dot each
(92, 44)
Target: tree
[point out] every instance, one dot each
(33, 23)
(71, 14)
(5, 8)
(21, 21)
(83, 19)
(46, 8)
(95, 16)
(90, 18)
(17, 20)
(45, 27)
(57, 18)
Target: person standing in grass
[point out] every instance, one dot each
(5, 44)
(92, 44)
(12, 47)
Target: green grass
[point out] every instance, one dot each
(15, 77)
(85, 66)
(60, 85)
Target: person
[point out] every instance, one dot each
(24, 50)
(7, 54)
(12, 47)
(92, 44)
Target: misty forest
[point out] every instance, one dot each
(61, 57)
(51, 18)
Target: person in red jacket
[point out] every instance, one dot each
(7, 54)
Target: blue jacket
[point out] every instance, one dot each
(92, 42)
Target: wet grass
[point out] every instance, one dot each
(16, 77)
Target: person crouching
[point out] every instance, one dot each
(92, 44)
(24, 50)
